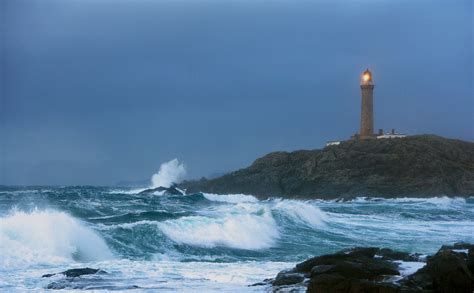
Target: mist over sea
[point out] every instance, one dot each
(204, 242)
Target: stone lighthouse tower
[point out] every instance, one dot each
(367, 109)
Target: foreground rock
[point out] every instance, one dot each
(378, 270)
(449, 270)
(425, 165)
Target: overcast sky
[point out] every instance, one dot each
(94, 92)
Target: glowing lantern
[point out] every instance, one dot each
(366, 77)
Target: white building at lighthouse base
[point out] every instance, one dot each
(380, 135)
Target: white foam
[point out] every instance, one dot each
(170, 172)
(156, 276)
(230, 198)
(162, 192)
(47, 237)
(446, 201)
(442, 201)
(243, 231)
(466, 251)
(407, 268)
(126, 225)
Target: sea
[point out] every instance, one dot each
(200, 242)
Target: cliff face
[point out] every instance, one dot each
(416, 166)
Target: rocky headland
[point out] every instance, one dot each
(414, 166)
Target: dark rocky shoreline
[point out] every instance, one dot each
(414, 166)
(375, 270)
(356, 270)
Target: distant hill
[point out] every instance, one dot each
(414, 166)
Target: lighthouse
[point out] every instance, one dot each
(367, 114)
(367, 106)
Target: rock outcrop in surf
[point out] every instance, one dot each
(172, 190)
(420, 166)
(372, 269)
(73, 273)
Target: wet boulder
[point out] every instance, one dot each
(328, 283)
(359, 269)
(374, 269)
(288, 278)
(466, 251)
(354, 258)
(445, 272)
(389, 254)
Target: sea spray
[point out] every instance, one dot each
(170, 172)
(47, 237)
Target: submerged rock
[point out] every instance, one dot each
(376, 270)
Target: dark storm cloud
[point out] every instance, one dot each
(98, 91)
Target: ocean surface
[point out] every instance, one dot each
(200, 242)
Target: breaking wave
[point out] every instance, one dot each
(242, 223)
(242, 231)
(47, 237)
(302, 212)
